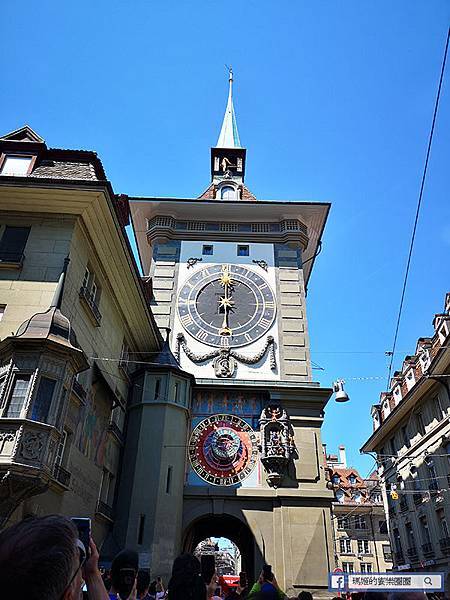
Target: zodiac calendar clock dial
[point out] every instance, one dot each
(226, 305)
(223, 449)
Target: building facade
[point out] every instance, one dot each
(361, 539)
(411, 438)
(72, 310)
(231, 438)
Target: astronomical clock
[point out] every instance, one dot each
(223, 449)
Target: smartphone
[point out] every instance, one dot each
(243, 579)
(126, 582)
(83, 524)
(208, 564)
(267, 572)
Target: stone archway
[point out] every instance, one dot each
(225, 526)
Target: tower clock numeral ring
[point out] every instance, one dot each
(226, 305)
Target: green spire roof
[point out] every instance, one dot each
(229, 135)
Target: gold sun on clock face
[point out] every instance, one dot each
(226, 305)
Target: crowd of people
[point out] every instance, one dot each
(44, 559)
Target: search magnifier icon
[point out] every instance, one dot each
(427, 581)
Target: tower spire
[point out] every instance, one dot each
(229, 135)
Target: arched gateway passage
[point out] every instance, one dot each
(229, 527)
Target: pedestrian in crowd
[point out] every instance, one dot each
(41, 558)
(187, 582)
(124, 570)
(268, 586)
(305, 596)
(143, 585)
(160, 591)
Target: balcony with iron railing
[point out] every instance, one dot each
(90, 304)
(427, 550)
(61, 475)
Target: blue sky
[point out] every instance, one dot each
(334, 103)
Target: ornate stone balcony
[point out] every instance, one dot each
(27, 456)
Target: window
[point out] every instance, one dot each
(342, 522)
(13, 242)
(359, 522)
(442, 522)
(420, 424)
(392, 446)
(366, 568)
(437, 408)
(410, 535)
(169, 479)
(345, 545)
(2, 310)
(357, 497)
(43, 400)
(425, 531)
(16, 165)
(18, 396)
(176, 391)
(387, 553)
(433, 476)
(107, 488)
(352, 479)
(61, 448)
(228, 192)
(2, 385)
(397, 541)
(340, 496)
(157, 388)
(382, 525)
(363, 547)
(86, 278)
(140, 539)
(336, 479)
(347, 567)
(376, 497)
(405, 437)
(243, 250)
(124, 362)
(207, 250)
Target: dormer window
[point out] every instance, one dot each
(336, 479)
(16, 165)
(228, 192)
(352, 479)
(340, 496)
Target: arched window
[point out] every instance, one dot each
(228, 192)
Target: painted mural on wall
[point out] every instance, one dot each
(239, 403)
(91, 429)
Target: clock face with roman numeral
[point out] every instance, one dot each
(226, 305)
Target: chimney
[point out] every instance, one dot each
(342, 457)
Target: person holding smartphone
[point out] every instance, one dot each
(43, 557)
(124, 571)
(267, 585)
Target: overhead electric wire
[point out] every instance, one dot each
(419, 203)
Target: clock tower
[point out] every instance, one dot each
(229, 274)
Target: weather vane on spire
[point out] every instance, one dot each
(229, 136)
